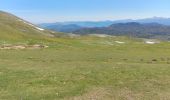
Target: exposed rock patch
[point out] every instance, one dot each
(151, 41)
(119, 42)
(16, 47)
(101, 35)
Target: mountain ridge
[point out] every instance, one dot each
(92, 24)
(15, 28)
(160, 20)
(134, 29)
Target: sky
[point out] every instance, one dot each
(45, 11)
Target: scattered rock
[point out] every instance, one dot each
(151, 41)
(101, 35)
(119, 42)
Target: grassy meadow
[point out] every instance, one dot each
(86, 68)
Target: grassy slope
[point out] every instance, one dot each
(13, 28)
(86, 68)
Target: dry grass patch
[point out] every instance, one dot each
(94, 94)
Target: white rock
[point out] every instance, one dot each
(119, 42)
(101, 35)
(150, 42)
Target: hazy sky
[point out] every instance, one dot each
(38, 11)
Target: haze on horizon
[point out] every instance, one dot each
(44, 11)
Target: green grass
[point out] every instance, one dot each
(15, 29)
(85, 68)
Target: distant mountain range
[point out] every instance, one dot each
(134, 29)
(73, 26)
(159, 20)
(80, 23)
(14, 28)
(63, 28)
